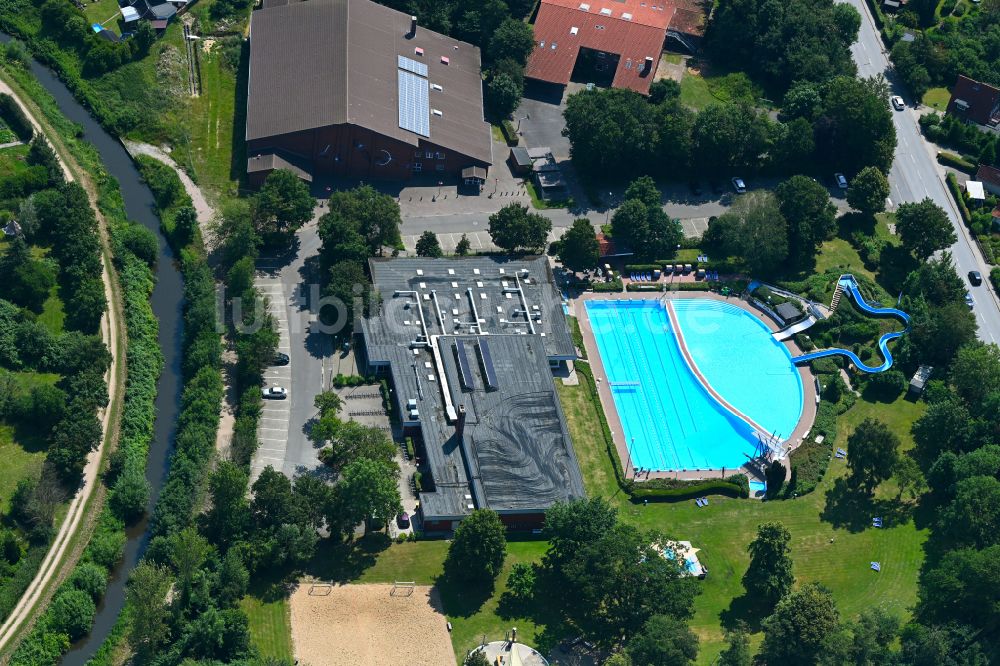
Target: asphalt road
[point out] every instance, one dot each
(915, 175)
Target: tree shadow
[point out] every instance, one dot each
(895, 263)
(238, 163)
(462, 598)
(342, 562)
(852, 509)
(745, 610)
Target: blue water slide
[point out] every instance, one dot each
(850, 285)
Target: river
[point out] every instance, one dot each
(167, 300)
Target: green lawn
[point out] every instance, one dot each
(695, 91)
(12, 160)
(937, 98)
(20, 461)
(101, 11)
(270, 626)
(211, 127)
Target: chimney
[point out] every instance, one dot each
(649, 65)
(413, 28)
(460, 423)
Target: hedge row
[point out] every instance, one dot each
(74, 604)
(956, 162)
(509, 133)
(956, 194)
(700, 489)
(15, 118)
(341, 380)
(607, 287)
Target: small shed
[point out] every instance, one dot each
(920, 378)
(129, 14)
(520, 161)
(975, 190)
(109, 36)
(789, 312)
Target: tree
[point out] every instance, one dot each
(283, 205)
(868, 191)
(502, 95)
(976, 373)
(328, 403)
(796, 632)
(924, 228)
(234, 233)
(802, 101)
(795, 146)
(146, 593)
(769, 576)
(973, 517)
(428, 245)
(373, 216)
(27, 281)
(347, 286)
(872, 452)
(578, 247)
(347, 441)
(71, 613)
(513, 228)
(754, 229)
(521, 581)
(478, 549)
(188, 551)
(737, 652)
(728, 137)
(368, 491)
(855, 129)
(463, 246)
(512, 39)
(130, 494)
(477, 658)
(663, 641)
(811, 216)
(611, 131)
(569, 525)
(645, 190)
(774, 476)
(961, 588)
(909, 478)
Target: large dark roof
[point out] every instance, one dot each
(980, 101)
(329, 62)
(515, 455)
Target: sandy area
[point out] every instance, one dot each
(346, 625)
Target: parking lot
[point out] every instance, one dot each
(272, 430)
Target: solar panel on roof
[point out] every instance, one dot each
(463, 364)
(412, 65)
(414, 103)
(487, 359)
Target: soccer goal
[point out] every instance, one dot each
(402, 588)
(320, 590)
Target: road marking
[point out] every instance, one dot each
(262, 428)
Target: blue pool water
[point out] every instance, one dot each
(758, 488)
(670, 421)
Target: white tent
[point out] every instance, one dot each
(975, 190)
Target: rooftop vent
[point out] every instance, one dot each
(435, 86)
(445, 60)
(418, 51)
(436, 112)
(413, 26)
(584, 6)
(626, 16)
(605, 12)
(574, 30)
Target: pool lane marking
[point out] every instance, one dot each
(682, 344)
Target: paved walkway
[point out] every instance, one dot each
(112, 329)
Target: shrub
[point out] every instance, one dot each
(509, 133)
(956, 162)
(956, 193)
(607, 287)
(995, 278)
(15, 118)
(90, 578)
(717, 487)
(71, 613)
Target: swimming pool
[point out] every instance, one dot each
(670, 421)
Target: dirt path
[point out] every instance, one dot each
(205, 211)
(112, 332)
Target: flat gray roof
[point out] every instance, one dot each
(514, 454)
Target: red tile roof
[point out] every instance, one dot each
(988, 174)
(634, 29)
(983, 101)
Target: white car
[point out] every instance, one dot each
(273, 393)
(739, 186)
(841, 180)
(897, 102)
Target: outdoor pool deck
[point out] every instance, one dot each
(578, 306)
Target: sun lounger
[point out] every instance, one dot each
(704, 501)
(842, 452)
(839, 455)
(876, 566)
(698, 502)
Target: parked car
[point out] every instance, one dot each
(280, 359)
(403, 521)
(897, 102)
(739, 186)
(975, 278)
(968, 300)
(273, 393)
(840, 180)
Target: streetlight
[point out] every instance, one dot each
(611, 202)
(526, 116)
